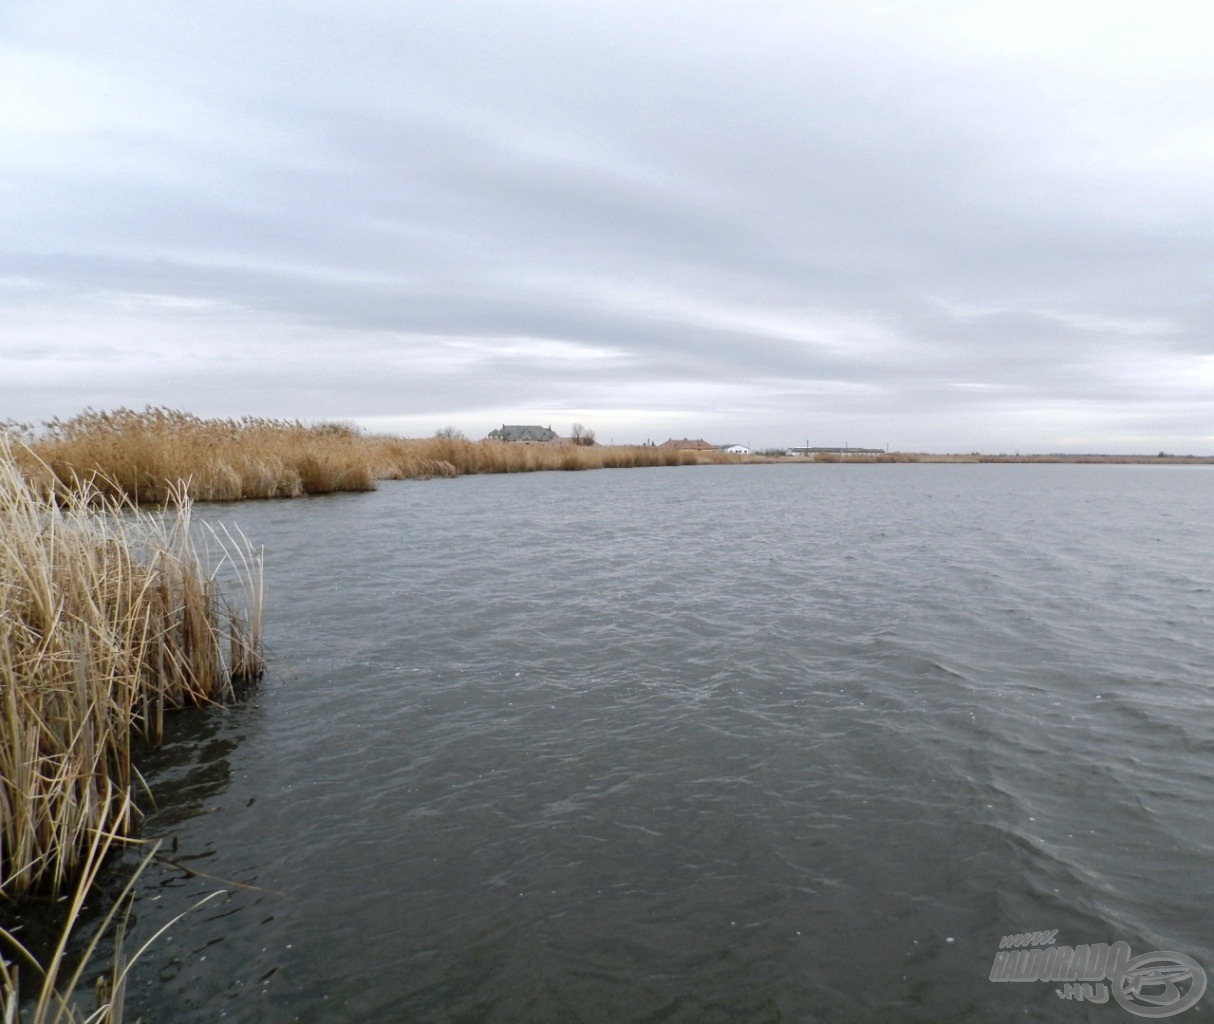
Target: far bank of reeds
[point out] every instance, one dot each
(108, 617)
(143, 456)
(409, 458)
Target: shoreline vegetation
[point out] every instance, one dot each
(1162, 459)
(144, 457)
(109, 616)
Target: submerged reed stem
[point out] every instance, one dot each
(57, 1000)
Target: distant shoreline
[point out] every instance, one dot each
(976, 458)
(152, 456)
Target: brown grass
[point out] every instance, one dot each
(108, 616)
(145, 456)
(408, 458)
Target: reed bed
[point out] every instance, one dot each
(409, 458)
(146, 456)
(108, 616)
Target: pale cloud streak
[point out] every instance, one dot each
(951, 225)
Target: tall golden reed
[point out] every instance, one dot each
(144, 456)
(108, 615)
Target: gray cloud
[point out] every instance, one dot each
(944, 226)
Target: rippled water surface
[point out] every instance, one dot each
(747, 743)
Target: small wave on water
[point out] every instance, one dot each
(731, 744)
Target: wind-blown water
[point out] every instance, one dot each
(749, 743)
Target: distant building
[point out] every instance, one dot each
(734, 449)
(686, 444)
(791, 452)
(517, 433)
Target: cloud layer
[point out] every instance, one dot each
(949, 226)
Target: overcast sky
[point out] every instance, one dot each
(944, 226)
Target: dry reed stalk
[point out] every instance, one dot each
(108, 615)
(57, 1000)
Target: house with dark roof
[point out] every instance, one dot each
(686, 444)
(517, 433)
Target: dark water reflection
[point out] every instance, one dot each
(736, 744)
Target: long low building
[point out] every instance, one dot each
(834, 451)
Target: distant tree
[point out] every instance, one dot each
(581, 435)
(451, 434)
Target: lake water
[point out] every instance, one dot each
(728, 744)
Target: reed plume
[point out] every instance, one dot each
(144, 456)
